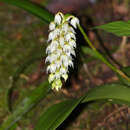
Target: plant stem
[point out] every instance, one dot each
(101, 57)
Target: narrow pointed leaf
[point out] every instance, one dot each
(119, 28)
(32, 8)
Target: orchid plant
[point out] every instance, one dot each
(60, 53)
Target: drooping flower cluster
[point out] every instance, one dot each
(62, 42)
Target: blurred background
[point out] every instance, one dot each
(22, 46)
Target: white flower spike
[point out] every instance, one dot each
(62, 42)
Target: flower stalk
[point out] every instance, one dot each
(101, 57)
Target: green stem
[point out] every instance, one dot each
(101, 57)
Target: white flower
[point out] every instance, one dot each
(62, 42)
(58, 52)
(51, 36)
(52, 26)
(54, 43)
(74, 22)
(72, 30)
(72, 35)
(51, 78)
(65, 76)
(51, 58)
(72, 43)
(58, 18)
(64, 58)
(57, 84)
(47, 59)
(73, 53)
(52, 47)
(57, 75)
(66, 64)
(67, 48)
(51, 68)
(58, 63)
(69, 36)
(65, 27)
(68, 53)
(56, 31)
(63, 70)
(70, 63)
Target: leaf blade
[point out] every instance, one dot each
(50, 120)
(119, 28)
(32, 8)
(109, 91)
(115, 92)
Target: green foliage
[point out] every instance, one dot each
(57, 113)
(32, 8)
(119, 28)
(26, 105)
(126, 70)
(109, 91)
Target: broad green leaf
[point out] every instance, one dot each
(126, 70)
(109, 91)
(26, 105)
(32, 8)
(119, 28)
(56, 114)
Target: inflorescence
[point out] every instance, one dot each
(62, 42)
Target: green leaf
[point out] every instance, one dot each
(119, 28)
(32, 8)
(126, 70)
(26, 105)
(56, 114)
(109, 91)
